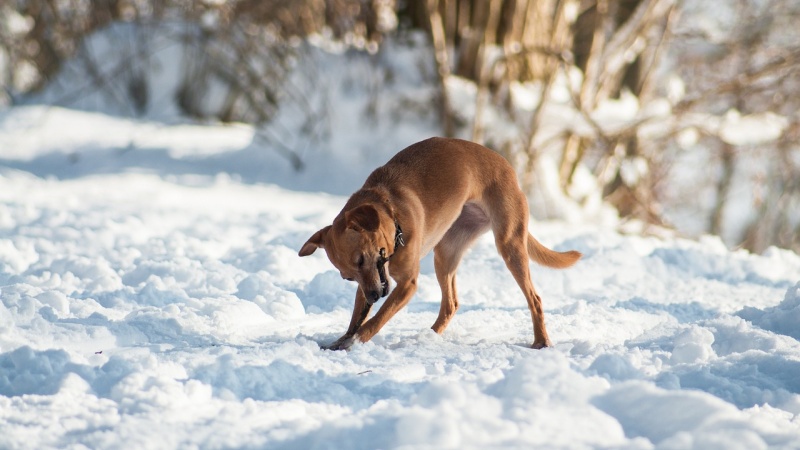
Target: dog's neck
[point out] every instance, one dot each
(374, 194)
(377, 196)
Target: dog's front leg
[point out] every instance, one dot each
(360, 312)
(396, 301)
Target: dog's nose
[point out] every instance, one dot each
(373, 296)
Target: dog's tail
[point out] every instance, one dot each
(550, 258)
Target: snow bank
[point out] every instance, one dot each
(681, 420)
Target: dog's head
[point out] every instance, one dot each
(358, 244)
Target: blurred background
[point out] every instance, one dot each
(656, 114)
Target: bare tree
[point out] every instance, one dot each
(747, 67)
(250, 47)
(497, 43)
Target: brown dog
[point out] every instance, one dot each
(438, 194)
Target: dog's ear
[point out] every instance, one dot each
(364, 217)
(314, 242)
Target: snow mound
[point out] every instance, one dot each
(783, 318)
(680, 420)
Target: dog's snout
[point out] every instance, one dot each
(373, 296)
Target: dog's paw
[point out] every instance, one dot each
(541, 345)
(343, 343)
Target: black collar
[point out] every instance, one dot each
(398, 242)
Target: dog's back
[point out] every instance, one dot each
(445, 172)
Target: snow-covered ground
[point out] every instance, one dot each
(152, 297)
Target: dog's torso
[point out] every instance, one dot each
(429, 184)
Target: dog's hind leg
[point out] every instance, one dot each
(447, 255)
(511, 233)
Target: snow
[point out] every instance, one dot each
(751, 129)
(151, 295)
(781, 318)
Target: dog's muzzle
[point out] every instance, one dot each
(383, 278)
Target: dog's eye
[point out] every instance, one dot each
(360, 261)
